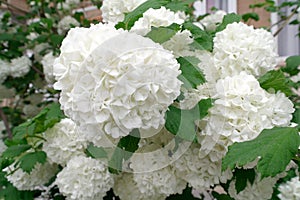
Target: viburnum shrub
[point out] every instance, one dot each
(148, 104)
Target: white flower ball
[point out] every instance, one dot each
(40, 175)
(211, 21)
(240, 47)
(65, 24)
(4, 70)
(20, 66)
(85, 179)
(290, 189)
(63, 142)
(47, 62)
(120, 82)
(114, 10)
(156, 18)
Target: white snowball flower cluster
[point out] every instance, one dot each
(240, 47)
(66, 23)
(40, 175)
(242, 110)
(4, 70)
(48, 62)
(211, 21)
(20, 66)
(179, 44)
(156, 18)
(290, 190)
(114, 10)
(199, 170)
(261, 189)
(84, 178)
(119, 82)
(63, 141)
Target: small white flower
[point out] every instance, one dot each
(40, 175)
(84, 178)
(290, 190)
(156, 18)
(65, 24)
(63, 141)
(20, 66)
(211, 21)
(48, 62)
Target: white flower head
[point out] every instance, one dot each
(48, 62)
(290, 189)
(40, 175)
(84, 178)
(114, 11)
(120, 82)
(65, 24)
(63, 141)
(211, 21)
(156, 18)
(20, 66)
(4, 70)
(240, 47)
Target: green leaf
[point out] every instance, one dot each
(182, 122)
(96, 152)
(276, 80)
(163, 34)
(292, 64)
(202, 39)
(133, 16)
(180, 5)
(125, 148)
(56, 40)
(16, 150)
(191, 75)
(275, 148)
(242, 176)
(228, 19)
(29, 160)
(296, 116)
(186, 195)
(251, 15)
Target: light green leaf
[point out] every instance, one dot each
(228, 19)
(276, 80)
(191, 75)
(15, 150)
(275, 148)
(125, 148)
(96, 152)
(29, 160)
(163, 34)
(202, 39)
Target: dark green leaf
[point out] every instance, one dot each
(204, 106)
(275, 148)
(242, 176)
(180, 5)
(276, 80)
(16, 150)
(186, 195)
(96, 152)
(202, 39)
(292, 64)
(296, 116)
(133, 16)
(126, 147)
(56, 40)
(163, 34)
(251, 15)
(228, 19)
(29, 160)
(191, 75)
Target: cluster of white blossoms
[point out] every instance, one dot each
(40, 175)
(84, 178)
(114, 11)
(47, 62)
(63, 142)
(210, 22)
(120, 82)
(290, 189)
(66, 23)
(156, 18)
